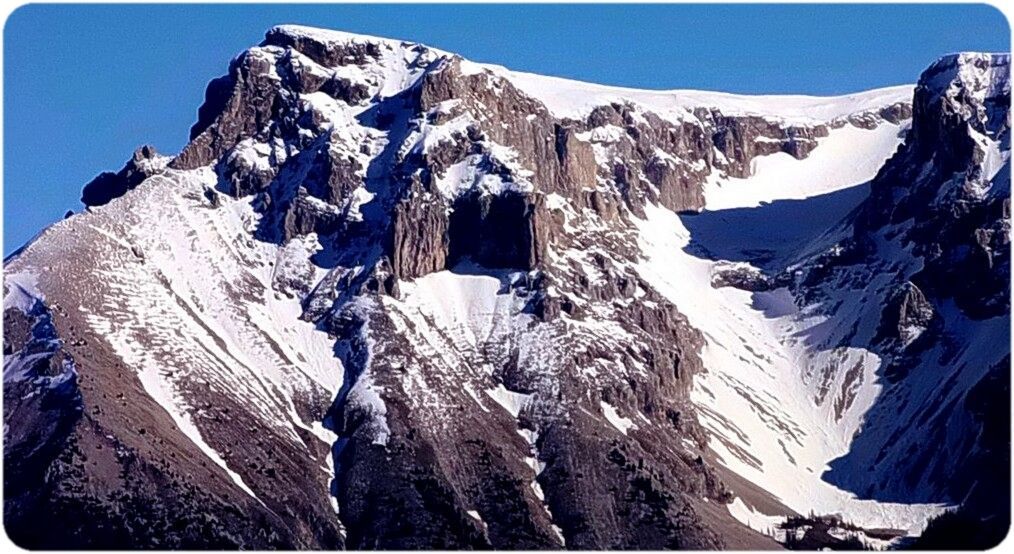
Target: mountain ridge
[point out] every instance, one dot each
(458, 305)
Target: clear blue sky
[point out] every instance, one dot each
(85, 85)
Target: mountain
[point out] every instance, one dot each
(387, 297)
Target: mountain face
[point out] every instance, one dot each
(389, 298)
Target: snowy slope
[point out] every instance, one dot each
(759, 397)
(764, 422)
(848, 157)
(572, 99)
(186, 298)
(311, 261)
(792, 377)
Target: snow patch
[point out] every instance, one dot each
(615, 419)
(22, 291)
(846, 157)
(753, 401)
(754, 519)
(511, 401)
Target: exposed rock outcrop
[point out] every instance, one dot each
(144, 163)
(953, 184)
(407, 307)
(908, 316)
(936, 229)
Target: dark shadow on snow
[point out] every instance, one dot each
(775, 235)
(769, 234)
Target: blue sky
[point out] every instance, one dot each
(85, 85)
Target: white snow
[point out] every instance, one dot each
(22, 291)
(333, 36)
(753, 518)
(475, 515)
(559, 534)
(567, 98)
(366, 396)
(475, 396)
(846, 157)
(468, 174)
(162, 391)
(981, 75)
(576, 99)
(169, 320)
(465, 303)
(399, 66)
(621, 423)
(769, 364)
(511, 401)
(753, 398)
(251, 154)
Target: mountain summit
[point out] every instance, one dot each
(387, 297)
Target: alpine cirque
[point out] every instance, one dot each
(387, 297)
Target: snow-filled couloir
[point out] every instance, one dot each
(387, 297)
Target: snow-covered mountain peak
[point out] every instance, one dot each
(968, 87)
(387, 297)
(574, 99)
(330, 36)
(982, 73)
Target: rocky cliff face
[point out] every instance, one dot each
(953, 182)
(390, 298)
(944, 200)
